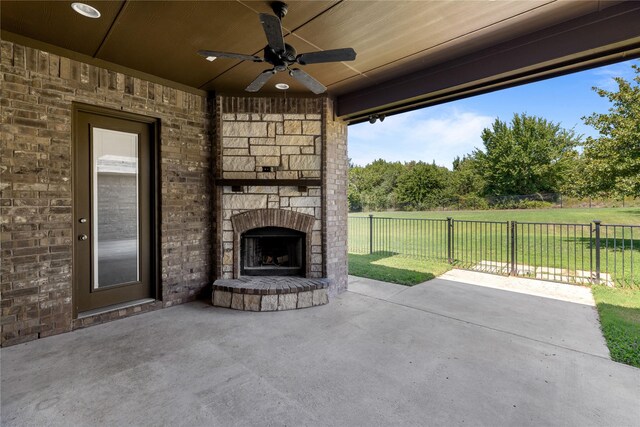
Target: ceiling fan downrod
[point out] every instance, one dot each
(280, 9)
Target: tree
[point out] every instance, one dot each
(373, 186)
(354, 192)
(529, 155)
(466, 178)
(422, 186)
(574, 182)
(612, 161)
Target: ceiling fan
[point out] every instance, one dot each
(282, 55)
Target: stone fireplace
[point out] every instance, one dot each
(280, 169)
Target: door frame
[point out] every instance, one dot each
(154, 204)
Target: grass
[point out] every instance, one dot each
(619, 311)
(389, 267)
(567, 247)
(629, 216)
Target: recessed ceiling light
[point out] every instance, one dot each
(86, 10)
(282, 86)
(211, 58)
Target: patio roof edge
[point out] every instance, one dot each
(596, 39)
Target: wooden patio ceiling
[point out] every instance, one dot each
(409, 53)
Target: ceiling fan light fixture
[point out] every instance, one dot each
(86, 10)
(211, 58)
(282, 86)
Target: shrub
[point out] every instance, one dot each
(534, 204)
(472, 202)
(522, 204)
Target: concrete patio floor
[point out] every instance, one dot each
(444, 352)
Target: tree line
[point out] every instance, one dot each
(527, 155)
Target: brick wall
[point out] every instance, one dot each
(38, 89)
(335, 182)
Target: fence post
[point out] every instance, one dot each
(450, 239)
(370, 233)
(597, 224)
(513, 242)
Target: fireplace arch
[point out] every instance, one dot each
(271, 218)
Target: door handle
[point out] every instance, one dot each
(83, 237)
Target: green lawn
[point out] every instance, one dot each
(630, 216)
(568, 247)
(395, 269)
(619, 311)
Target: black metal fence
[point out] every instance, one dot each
(572, 253)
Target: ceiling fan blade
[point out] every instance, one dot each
(311, 83)
(257, 84)
(215, 54)
(333, 55)
(273, 31)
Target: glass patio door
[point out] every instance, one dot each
(112, 211)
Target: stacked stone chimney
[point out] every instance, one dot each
(271, 159)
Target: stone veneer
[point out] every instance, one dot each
(291, 144)
(38, 89)
(285, 135)
(303, 143)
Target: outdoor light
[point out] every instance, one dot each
(86, 10)
(282, 86)
(374, 117)
(211, 58)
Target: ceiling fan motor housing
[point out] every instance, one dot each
(281, 61)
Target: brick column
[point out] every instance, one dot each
(335, 181)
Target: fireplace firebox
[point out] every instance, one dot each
(272, 251)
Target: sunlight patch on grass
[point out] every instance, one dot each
(619, 311)
(422, 266)
(388, 267)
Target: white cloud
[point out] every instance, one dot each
(437, 133)
(604, 75)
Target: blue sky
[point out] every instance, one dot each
(445, 131)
